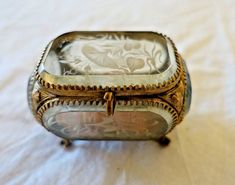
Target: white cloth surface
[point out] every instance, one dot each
(202, 151)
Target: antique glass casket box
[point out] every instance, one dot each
(110, 85)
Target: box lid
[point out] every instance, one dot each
(120, 61)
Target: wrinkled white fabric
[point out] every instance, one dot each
(202, 151)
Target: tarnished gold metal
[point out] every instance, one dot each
(110, 105)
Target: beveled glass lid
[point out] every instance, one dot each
(113, 59)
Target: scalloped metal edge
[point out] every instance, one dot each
(73, 102)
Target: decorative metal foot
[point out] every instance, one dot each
(66, 143)
(164, 141)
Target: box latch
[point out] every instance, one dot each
(110, 102)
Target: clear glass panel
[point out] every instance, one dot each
(188, 92)
(95, 53)
(90, 122)
(109, 59)
(122, 125)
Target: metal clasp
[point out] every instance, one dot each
(110, 103)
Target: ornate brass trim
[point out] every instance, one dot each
(72, 101)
